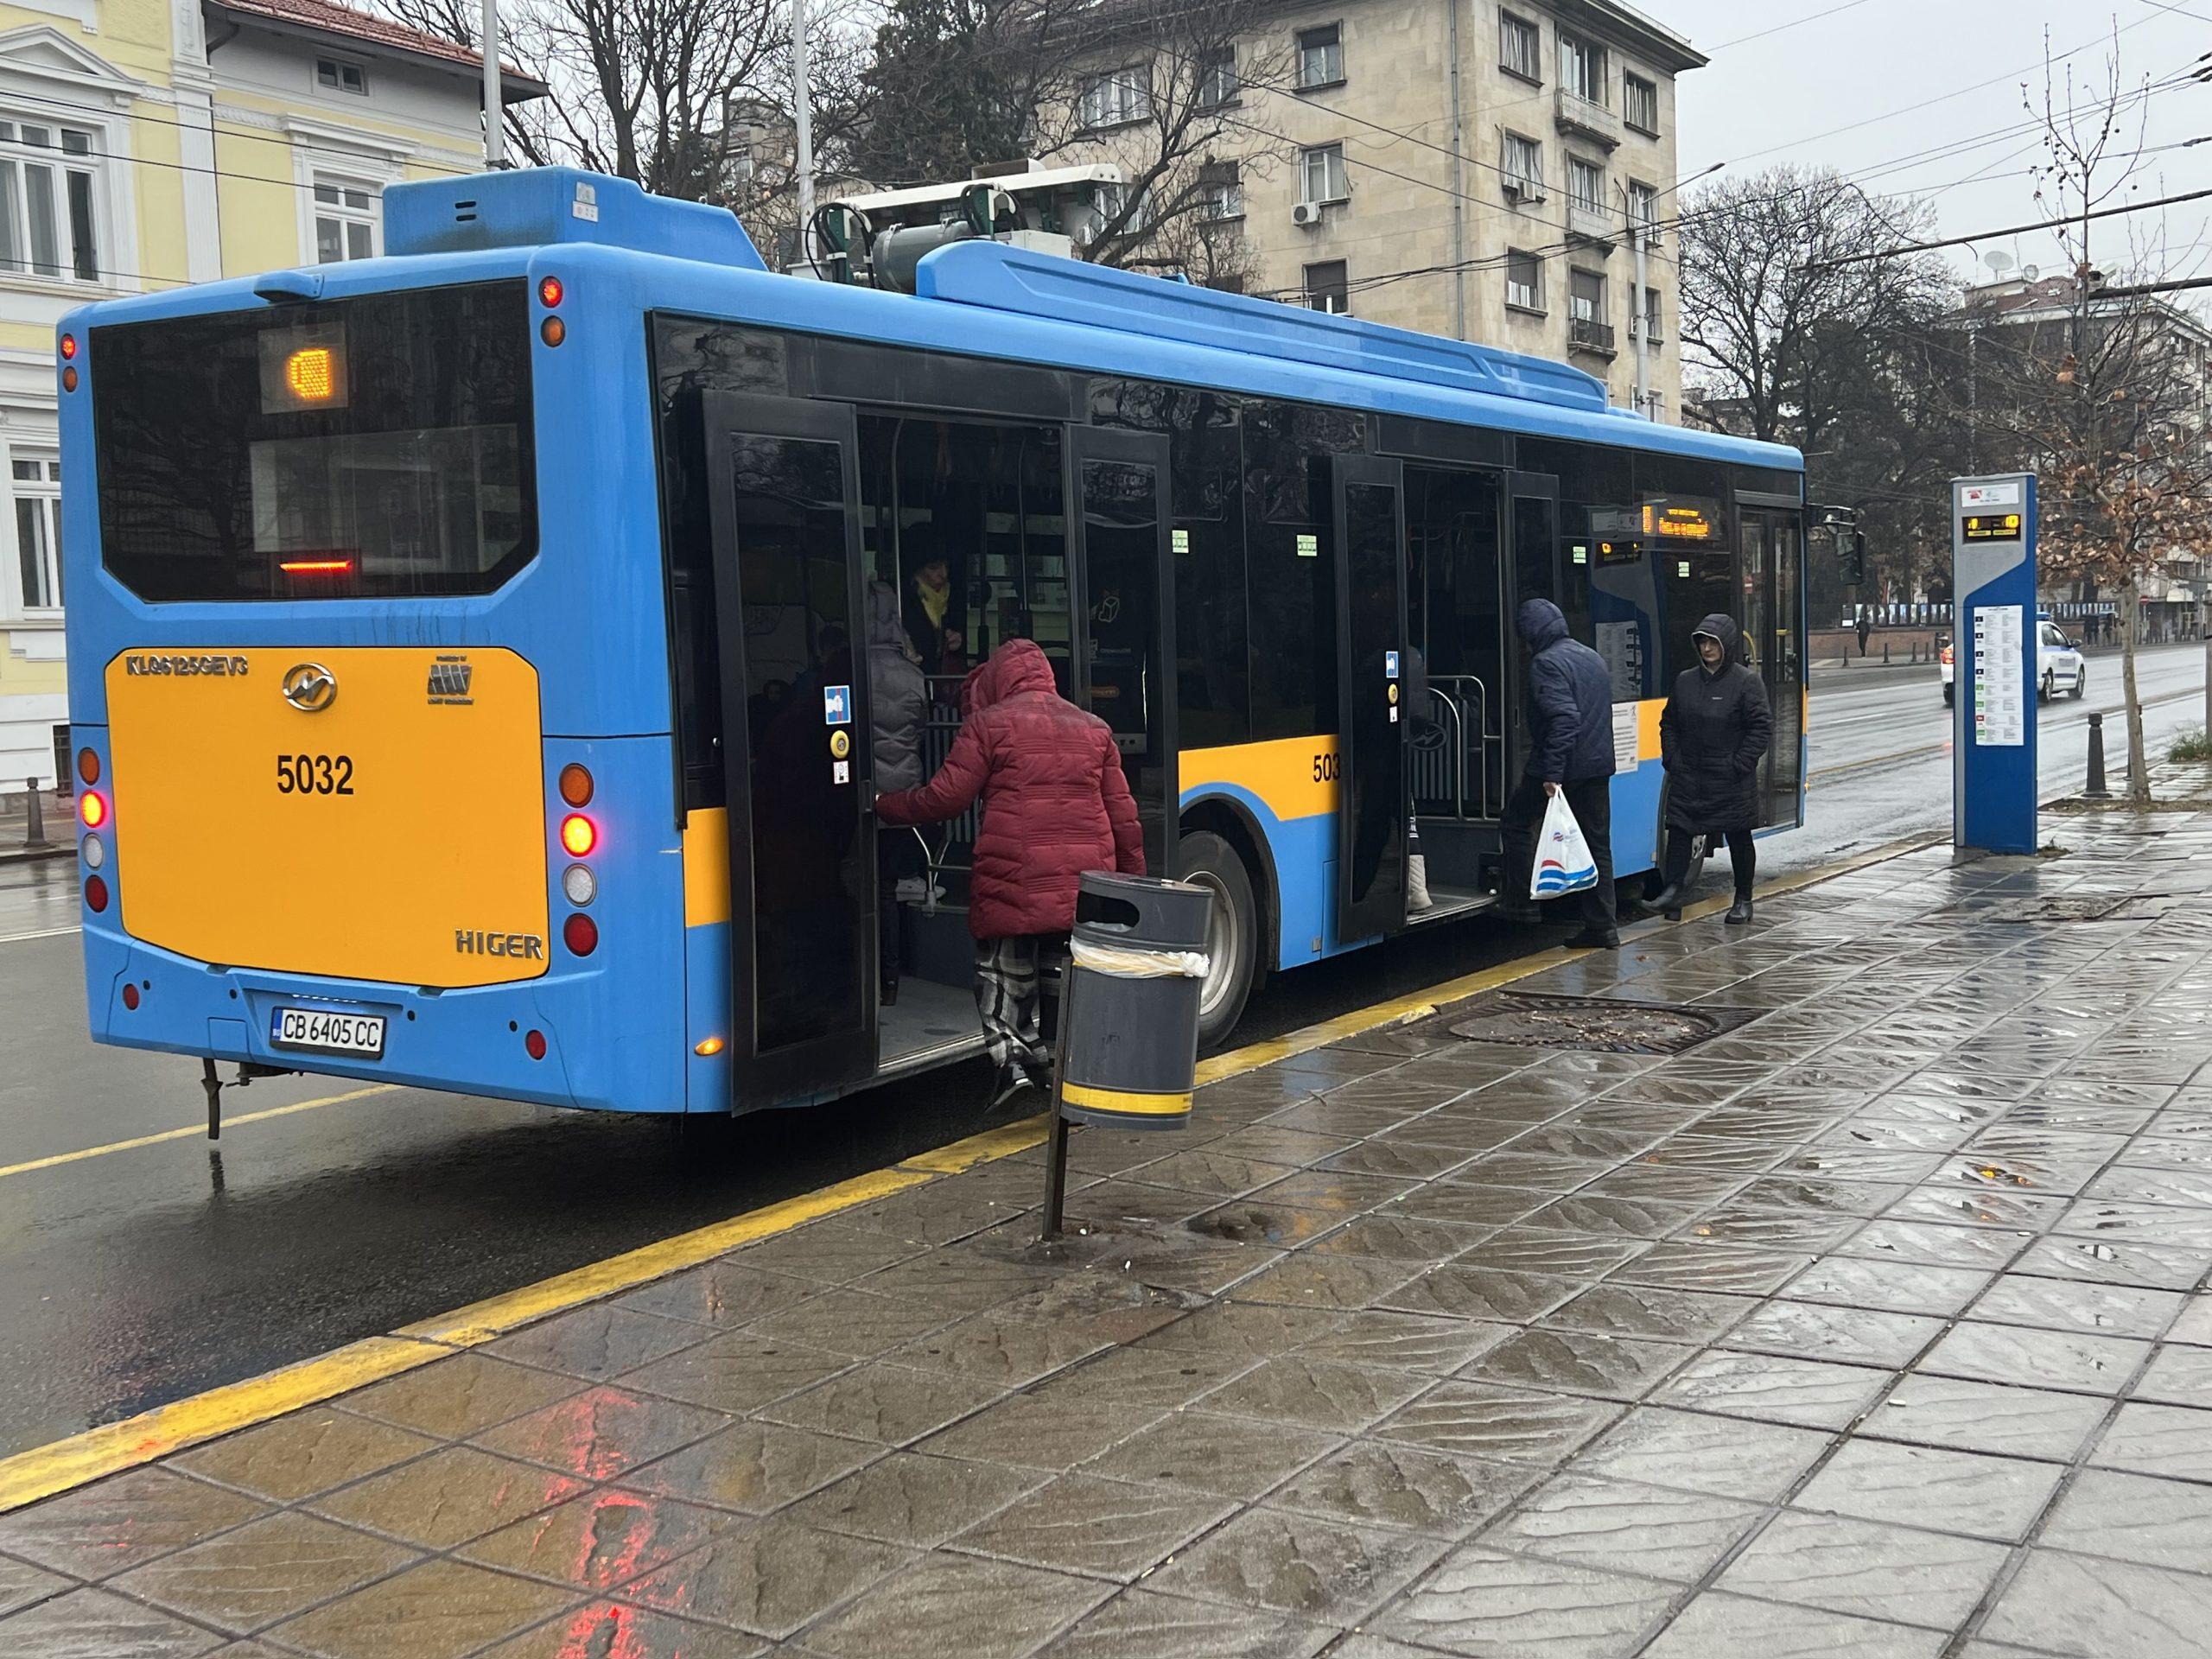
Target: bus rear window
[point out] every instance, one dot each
(363, 447)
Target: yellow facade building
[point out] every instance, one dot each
(146, 144)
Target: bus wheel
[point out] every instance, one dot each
(1232, 937)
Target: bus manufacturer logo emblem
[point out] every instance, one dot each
(310, 688)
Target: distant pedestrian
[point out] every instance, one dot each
(898, 705)
(1866, 630)
(1714, 730)
(1570, 751)
(1056, 803)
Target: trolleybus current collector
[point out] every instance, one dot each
(464, 645)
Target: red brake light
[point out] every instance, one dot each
(580, 934)
(578, 834)
(533, 1044)
(88, 765)
(549, 291)
(68, 347)
(576, 786)
(315, 567)
(95, 894)
(130, 998)
(91, 807)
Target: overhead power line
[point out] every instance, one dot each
(2016, 230)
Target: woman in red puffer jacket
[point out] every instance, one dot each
(1055, 804)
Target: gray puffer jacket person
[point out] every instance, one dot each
(898, 696)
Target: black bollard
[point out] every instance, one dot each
(36, 835)
(1885, 653)
(2096, 791)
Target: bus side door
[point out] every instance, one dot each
(1371, 797)
(790, 596)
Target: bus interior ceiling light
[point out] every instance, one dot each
(579, 835)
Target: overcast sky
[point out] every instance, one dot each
(1905, 77)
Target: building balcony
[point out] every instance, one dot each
(1588, 334)
(1593, 224)
(1581, 117)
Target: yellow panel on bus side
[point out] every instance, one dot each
(365, 812)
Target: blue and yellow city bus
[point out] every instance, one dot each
(466, 656)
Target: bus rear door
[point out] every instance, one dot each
(788, 590)
(1371, 799)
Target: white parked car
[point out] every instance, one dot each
(2060, 665)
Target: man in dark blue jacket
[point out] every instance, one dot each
(1570, 749)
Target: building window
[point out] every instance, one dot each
(1644, 207)
(1111, 198)
(1582, 68)
(1223, 189)
(1520, 48)
(1585, 295)
(1320, 56)
(1116, 98)
(38, 528)
(1640, 104)
(1586, 185)
(1524, 165)
(345, 222)
(1326, 289)
(1524, 281)
(335, 76)
(1652, 331)
(1217, 82)
(48, 225)
(1321, 173)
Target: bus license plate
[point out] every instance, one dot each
(330, 1033)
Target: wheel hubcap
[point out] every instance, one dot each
(1222, 944)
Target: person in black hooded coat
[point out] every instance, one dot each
(1716, 727)
(1570, 753)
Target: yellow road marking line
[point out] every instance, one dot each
(47, 1470)
(60, 1157)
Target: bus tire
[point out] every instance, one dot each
(1205, 859)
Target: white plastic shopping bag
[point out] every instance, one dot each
(1563, 860)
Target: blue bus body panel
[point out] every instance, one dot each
(589, 611)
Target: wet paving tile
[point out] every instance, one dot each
(2134, 1518)
(1345, 1193)
(892, 1404)
(2063, 1304)
(1964, 1416)
(2194, 1326)
(602, 1540)
(2180, 1376)
(833, 1252)
(736, 1373)
(2045, 1359)
(1328, 1394)
(1887, 1286)
(1549, 1252)
(753, 1468)
(1934, 1245)
(1413, 1342)
(728, 1291)
(595, 1341)
(304, 1454)
(1727, 1456)
(1295, 1564)
(1482, 1602)
(1579, 1362)
(2115, 1261)
(1256, 1330)
(1102, 1529)
(1467, 1291)
(956, 1280)
(2175, 1441)
(1278, 1226)
(21, 1584)
(118, 1523)
(1480, 1206)
(2080, 1606)
(601, 1433)
(908, 1498)
(1776, 1229)
(1853, 1336)
(1867, 1568)
(1964, 1492)
(264, 1571)
(449, 1497)
(1202, 1452)
(1699, 1265)
(1811, 1393)
(1623, 1526)
(976, 1609)
(454, 1398)
(1415, 1160)
(1399, 1238)
(999, 1349)
(770, 1577)
(1051, 1429)
(604, 1629)
(1376, 1483)
(1625, 1310)
(1339, 1282)
(1486, 1420)
(438, 1610)
(1142, 1624)
(93, 1625)
(854, 1323)
(1717, 1625)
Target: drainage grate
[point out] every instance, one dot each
(1532, 1019)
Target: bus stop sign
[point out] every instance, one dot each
(1993, 663)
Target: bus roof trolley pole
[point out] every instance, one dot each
(1994, 583)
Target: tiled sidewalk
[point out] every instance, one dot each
(1874, 1327)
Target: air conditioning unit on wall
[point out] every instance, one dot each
(1307, 213)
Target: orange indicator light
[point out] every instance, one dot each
(576, 785)
(578, 834)
(312, 373)
(710, 1046)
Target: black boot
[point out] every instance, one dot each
(1739, 912)
(1595, 938)
(1668, 901)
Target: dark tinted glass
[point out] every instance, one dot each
(1121, 550)
(370, 447)
(1374, 777)
(1288, 559)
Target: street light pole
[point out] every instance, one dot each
(1639, 319)
(494, 147)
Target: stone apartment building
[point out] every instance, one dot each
(1463, 168)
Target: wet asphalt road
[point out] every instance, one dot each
(138, 1275)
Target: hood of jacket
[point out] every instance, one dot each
(1722, 628)
(885, 625)
(1541, 623)
(1017, 667)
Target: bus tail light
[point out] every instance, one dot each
(92, 809)
(95, 852)
(533, 1044)
(576, 785)
(579, 886)
(130, 998)
(549, 291)
(579, 835)
(96, 893)
(580, 934)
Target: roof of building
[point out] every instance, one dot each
(361, 29)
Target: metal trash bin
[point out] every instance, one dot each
(1129, 1020)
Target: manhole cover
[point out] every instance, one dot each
(1531, 1019)
(2059, 907)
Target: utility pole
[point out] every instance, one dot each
(494, 147)
(803, 123)
(1639, 319)
(1458, 195)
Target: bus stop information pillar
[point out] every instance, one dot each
(1993, 739)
